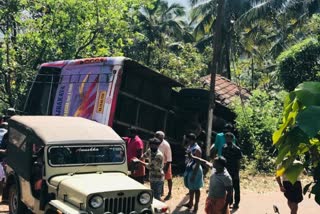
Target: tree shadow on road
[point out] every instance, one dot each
(181, 209)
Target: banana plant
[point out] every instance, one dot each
(299, 135)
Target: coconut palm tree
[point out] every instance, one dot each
(265, 38)
(266, 8)
(162, 24)
(284, 15)
(203, 19)
(240, 14)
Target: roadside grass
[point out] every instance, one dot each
(258, 182)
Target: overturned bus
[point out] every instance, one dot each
(121, 93)
(115, 91)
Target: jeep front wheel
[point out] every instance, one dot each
(15, 204)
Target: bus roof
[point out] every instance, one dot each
(57, 129)
(127, 62)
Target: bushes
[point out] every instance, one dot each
(256, 121)
(299, 63)
(299, 135)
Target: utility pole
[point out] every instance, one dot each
(216, 64)
(252, 70)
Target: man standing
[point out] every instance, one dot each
(135, 150)
(220, 140)
(155, 166)
(233, 155)
(167, 159)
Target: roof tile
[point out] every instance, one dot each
(226, 90)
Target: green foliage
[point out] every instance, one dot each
(299, 63)
(162, 43)
(299, 133)
(256, 120)
(186, 65)
(263, 39)
(46, 30)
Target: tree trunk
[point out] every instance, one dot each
(227, 54)
(9, 71)
(252, 73)
(217, 49)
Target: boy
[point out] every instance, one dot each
(220, 187)
(155, 166)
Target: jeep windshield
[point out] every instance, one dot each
(85, 155)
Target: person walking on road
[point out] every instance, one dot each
(233, 155)
(193, 175)
(167, 159)
(293, 192)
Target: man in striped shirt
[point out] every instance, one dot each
(155, 166)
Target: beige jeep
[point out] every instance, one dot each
(70, 165)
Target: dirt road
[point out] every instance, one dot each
(252, 203)
(258, 195)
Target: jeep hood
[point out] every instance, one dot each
(76, 188)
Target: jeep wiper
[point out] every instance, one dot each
(80, 167)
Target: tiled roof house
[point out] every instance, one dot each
(226, 90)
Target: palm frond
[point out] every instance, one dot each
(197, 2)
(188, 37)
(201, 10)
(204, 26)
(174, 28)
(263, 9)
(204, 42)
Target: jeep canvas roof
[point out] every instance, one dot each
(57, 129)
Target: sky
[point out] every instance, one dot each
(182, 2)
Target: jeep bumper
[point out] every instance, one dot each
(63, 207)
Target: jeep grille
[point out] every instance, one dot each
(117, 205)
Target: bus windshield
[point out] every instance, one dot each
(42, 92)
